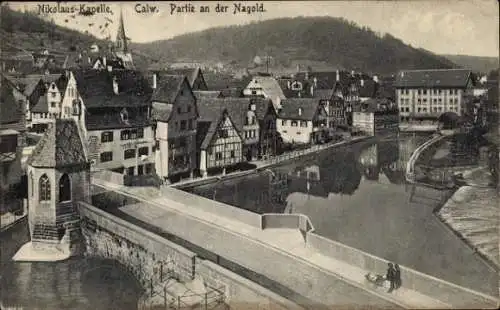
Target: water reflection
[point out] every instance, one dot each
(77, 283)
(332, 172)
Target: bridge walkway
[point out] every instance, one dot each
(289, 241)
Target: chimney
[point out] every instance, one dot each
(307, 75)
(362, 82)
(288, 84)
(337, 78)
(300, 111)
(312, 90)
(315, 80)
(110, 68)
(115, 86)
(352, 73)
(375, 79)
(104, 61)
(154, 80)
(298, 68)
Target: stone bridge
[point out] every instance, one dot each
(232, 250)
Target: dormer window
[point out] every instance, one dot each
(124, 115)
(53, 86)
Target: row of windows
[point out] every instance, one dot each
(127, 154)
(294, 123)
(432, 91)
(131, 134)
(44, 193)
(406, 101)
(184, 125)
(250, 134)
(434, 109)
(140, 169)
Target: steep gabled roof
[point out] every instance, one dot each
(161, 111)
(41, 106)
(190, 73)
(168, 88)
(61, 146)
(290, 108)
(211, 117)
(452, 78)
(270, 86)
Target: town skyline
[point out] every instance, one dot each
(458, 27)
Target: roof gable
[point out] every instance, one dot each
(290, 109)
(61, 146)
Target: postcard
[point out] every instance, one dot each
(249, 155)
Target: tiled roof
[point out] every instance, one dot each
(190, 73)
(207, 94)
(270, 87)
(161, 111)
(96, 88)
(41, 106)
(323, 94)
(453, 78)
(168, 87)
(369, 89)
(101, 118)
(290, 108)
(10, 109)
(26, 84)
(236, 107)
(326, 79)
(232, 92)
(61, 146)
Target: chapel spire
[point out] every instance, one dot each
(121, 38)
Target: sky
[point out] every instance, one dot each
(467, 27)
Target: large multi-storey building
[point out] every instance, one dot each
(426, 94)
(113, 111)
(175, 114)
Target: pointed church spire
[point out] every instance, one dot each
(121, 38)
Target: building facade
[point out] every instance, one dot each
(302, 121)
(175, 114)
(374, 117)
(426, 94)
(220, 143)
(113, 111)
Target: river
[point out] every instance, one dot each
(77, 283)
(357, 195)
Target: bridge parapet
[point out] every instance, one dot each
(454, 295)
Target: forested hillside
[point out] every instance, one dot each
(331, 40)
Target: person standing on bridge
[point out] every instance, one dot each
(397, 277)
(391, 275)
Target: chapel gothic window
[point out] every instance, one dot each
(44, 187)
(64, 188)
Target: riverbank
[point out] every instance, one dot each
(472, 215)
(268, 163)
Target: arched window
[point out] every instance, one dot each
(44, 188)
(64, 188)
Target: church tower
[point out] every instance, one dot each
(121, 46)
(121, 38)
(58, 177)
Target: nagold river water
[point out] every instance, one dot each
(77, 283)
(357, 195)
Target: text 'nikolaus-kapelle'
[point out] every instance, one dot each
(81, 8)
